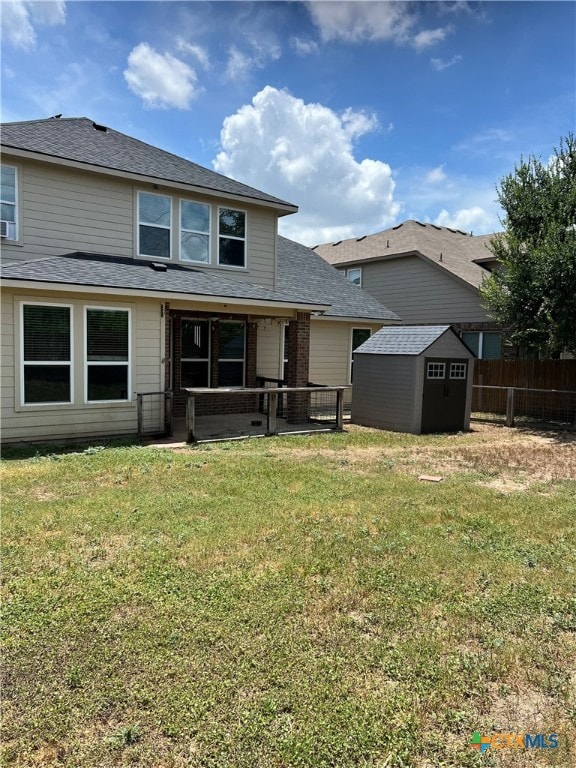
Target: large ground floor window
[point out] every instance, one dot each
(57, 339)
(46, 353)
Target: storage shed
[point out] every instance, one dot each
(413, 379)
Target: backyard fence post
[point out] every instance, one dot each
(190, 418)
(271, 428)
(339, 409)
(510, 407)
(140, 416)
(168, 406)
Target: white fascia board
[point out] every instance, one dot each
(35, 285)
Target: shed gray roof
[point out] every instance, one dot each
(403, 340)
(81, 140)
(458, 250)
(136, 274)
(303, 272)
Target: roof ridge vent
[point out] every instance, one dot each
(420, 224)
(338, 243)
(398, 226)
(359, 239)
(99, 127)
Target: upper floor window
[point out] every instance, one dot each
(46, 353)
(354, 275)
(8, 203)
(231, 237)
(154, 225)
(194, 232)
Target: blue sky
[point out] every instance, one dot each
(362, 113)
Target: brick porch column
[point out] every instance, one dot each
(297, 370)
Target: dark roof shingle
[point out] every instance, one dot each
(135, 274)
(303, 272)
(81, 140)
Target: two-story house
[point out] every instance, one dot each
(127, 269)
(429, 275)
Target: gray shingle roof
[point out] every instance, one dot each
(458, 249)
(303, 272)
(402, 340)
(81, 140)
(135, 274)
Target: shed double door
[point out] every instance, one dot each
(444, 394)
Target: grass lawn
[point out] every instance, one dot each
(303, 601)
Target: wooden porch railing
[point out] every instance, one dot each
(270, 406)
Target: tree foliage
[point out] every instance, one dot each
(533, 293)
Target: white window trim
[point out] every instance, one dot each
(69, 363)
(354, 269)
(128, 363)
(16, 204)
(182, 229)
(460, 368)
(481, 343)
(199, 359)
(438, 367)
(231, 237)
(351, 351)
(234, 360)
(170, 228)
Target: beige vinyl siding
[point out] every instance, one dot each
(384, 397)
(34, 423)
(421, 293)
(269, 351)
(330, 350)
(64, 210)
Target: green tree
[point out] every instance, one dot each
(533, 292)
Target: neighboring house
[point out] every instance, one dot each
(128, 269)
(428, 275)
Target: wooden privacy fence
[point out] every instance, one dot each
(526, 374)
(535, 391)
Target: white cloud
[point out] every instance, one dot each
(436, 175)
(429, 37)
(441, 64)
(240, 63)
(474, 219)
(355, 21)
(304, 153)
(19, 19)
(199, 53)
(304, 47)
(161, 80)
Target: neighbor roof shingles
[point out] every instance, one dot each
(457, 249)
(77, 139)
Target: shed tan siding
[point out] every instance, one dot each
(384, 396)
(420, 293)
(67, 421)
(65, 210)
